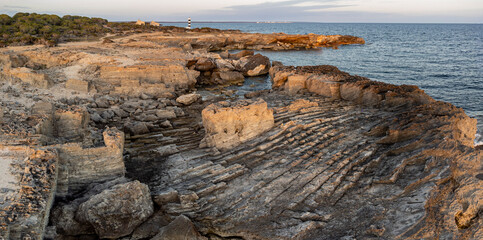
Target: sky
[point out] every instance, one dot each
(383, 11)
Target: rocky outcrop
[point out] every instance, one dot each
(328, 81)
(228, 125)
(117, 211)
(216, 41)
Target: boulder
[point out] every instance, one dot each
(188, 99)
(205, 64)
(229, 124)
(259, 70)
(224, 64)
(256, 64)
(180, 229)
(231, 77)
(117, 211)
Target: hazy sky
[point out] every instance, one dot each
(445, 11)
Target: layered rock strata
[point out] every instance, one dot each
(323, 155)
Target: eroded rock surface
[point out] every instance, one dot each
(228, 125)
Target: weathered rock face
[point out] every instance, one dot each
(27, 75)
(228, 125)
(144, 76)
(328, 81)
(115, 212)
(81, 167)
(71, 124)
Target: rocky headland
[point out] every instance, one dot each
(136, 137)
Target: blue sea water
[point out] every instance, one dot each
(445, 60)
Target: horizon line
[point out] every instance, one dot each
(288, 22)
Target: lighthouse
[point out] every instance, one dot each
(189, 23)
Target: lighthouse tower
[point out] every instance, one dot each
(189, 23)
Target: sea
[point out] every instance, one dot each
(445, 60)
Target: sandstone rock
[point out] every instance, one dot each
(176, 76)
(71, 124)
(77, 85)
(254, 64)
(295, 83)
(225, 54)
(117, 211)
(12, 60)
(323, 86)
(180, 229)
(81, 167)
(224, 64)
(231, 77)
(29, 76)
(1, 114)
(259, 70)
(228, 125)
(205, 64)
(241, 54)
(351, 92)
(277, 64)
(188, 99)
(299, 104)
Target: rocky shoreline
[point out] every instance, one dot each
(111, 140)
